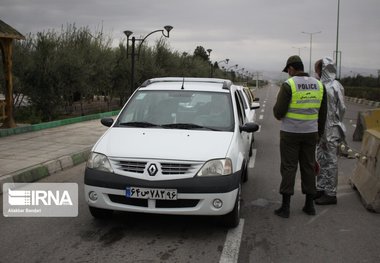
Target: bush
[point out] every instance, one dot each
(367, 93)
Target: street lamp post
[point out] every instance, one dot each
(209, 52)
(239, 75)
(224, 61)
(299, 50)
(133, 54)
(311, 42)
(337, 53)
(217, 63)
(226, 70)
(234, 66)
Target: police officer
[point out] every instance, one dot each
(327, 148)
(301, 107)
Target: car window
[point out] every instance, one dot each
(240, 108)
(243, 99)
(166, 107)
(248, 95)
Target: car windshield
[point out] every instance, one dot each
(183, 109)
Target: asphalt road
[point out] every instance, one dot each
(346, 232)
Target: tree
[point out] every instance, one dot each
(201, 53)
(54, 69)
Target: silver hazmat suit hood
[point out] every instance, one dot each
(328, 70)
(334, 129)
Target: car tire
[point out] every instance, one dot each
(100, 213)
(232, 219)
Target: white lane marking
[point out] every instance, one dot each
(230, 253)
(261, 117)
(259, 130)
(354, 125)
(262, 110)
(251, 163)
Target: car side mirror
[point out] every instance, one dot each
(249, 127)
(107, 121)
(256, 99)
(255, 105)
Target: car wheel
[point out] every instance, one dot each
(232, 219)
(100, 213)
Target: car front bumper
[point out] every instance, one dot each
(195, 196)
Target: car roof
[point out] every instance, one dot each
(175, 83)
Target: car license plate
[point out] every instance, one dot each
(151, 193)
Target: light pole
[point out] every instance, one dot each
(299, 50)
(209, 52)
(311, 42)
(337, 52)
(234, 66)
(227, 70)
(128, 33)
(224, 61)
(241, 74)
(217, 63)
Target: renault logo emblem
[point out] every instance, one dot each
(152, 169)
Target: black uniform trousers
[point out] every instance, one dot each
(298, 148)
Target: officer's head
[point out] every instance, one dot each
(293, 65)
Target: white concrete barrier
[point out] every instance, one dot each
(366, 176)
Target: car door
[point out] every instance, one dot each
(244, 136)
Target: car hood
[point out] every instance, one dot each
(173, 144)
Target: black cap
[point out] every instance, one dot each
(291, 60)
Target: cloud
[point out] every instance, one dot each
(256, 34)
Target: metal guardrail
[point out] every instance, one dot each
(363, 101)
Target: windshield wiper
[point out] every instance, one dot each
(142, 124)
(189, 126)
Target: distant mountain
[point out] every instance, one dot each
(352, 72)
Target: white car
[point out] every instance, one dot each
(178, 146)
(250, 110)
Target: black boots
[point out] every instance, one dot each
(283, 211)
(309, 205)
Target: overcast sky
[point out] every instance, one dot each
(258, 35)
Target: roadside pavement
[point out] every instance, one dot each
(31, 156)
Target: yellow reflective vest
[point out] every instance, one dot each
(302, 115)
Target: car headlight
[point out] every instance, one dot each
(216, 168)
(100, 162)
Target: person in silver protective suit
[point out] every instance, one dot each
(327, 148)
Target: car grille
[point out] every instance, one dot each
(165, 167)
(179, 203)
(132, 166)
(175, 168)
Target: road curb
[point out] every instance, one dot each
(37, 172)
